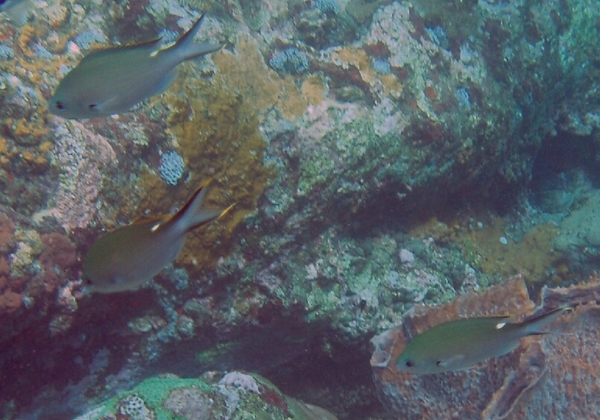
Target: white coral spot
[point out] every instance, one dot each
(240, 380)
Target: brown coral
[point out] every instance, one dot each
(366, 77)
(532, 256)
(7, 229)
(544, 378)
(9, 302)
(59, 254)
(4, 273)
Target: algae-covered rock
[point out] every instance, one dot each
(235, 395)
(392, 110)
(581, 228)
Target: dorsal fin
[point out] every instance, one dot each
(186, 49)
(188, 37)
(143, 221)
(535, 325)
(151, 44)
(186, 207)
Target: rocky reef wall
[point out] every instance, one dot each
(335, 127)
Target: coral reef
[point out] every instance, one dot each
(548, 375)
(336, 155)
(217, 123)
(235, 395)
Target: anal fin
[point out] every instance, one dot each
(166, 82)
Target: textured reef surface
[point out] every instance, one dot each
(549, 376)
(380, 154)
(234, 395)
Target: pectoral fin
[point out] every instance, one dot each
(456, 362)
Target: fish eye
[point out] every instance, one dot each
(439, 363)
(409, 363)
(60, 105)
(92, 106)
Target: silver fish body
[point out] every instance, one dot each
(114, 80)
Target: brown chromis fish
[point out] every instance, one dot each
(114, 80)
(128, 257)
(458, 345)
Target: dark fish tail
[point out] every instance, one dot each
(191, 207)
(187, 49)
(188, 37)
(204, 216)
(190, 216)
(534, 326)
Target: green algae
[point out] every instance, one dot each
(153, 391)
(579, 40)
(254, 15)
(316, 169)
(242, 397)
(344, 155)
(364, 276)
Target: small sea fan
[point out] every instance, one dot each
(171, 167)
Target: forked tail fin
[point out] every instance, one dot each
(534, 326)
(187, 49)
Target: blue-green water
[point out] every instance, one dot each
(373, 156)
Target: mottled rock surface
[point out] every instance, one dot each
(332, 125)
(242, 396)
